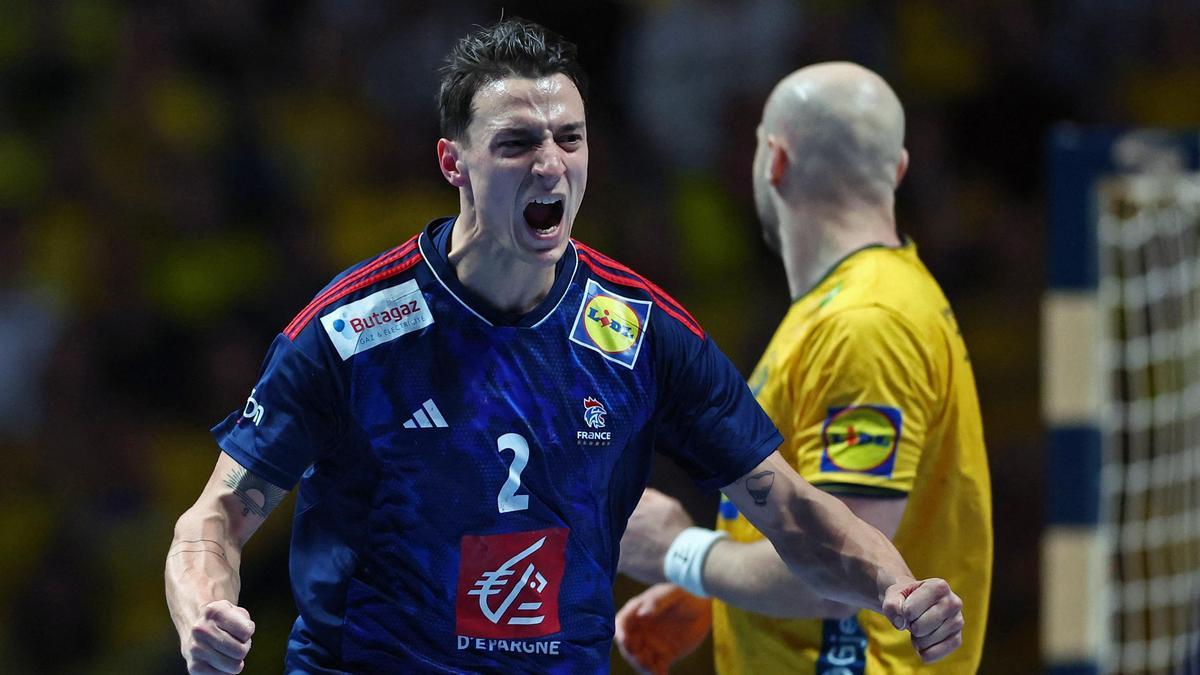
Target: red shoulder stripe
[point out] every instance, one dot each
(297, 325)
(323, 299)
(639, 282)
(660, 294)
(362, 283)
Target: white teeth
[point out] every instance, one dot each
(546, 200)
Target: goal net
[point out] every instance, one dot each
(1148, 241)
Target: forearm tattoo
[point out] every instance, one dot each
(759, 486)
(258, 496)
(198, 546)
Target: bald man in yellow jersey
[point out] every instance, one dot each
(870, 384)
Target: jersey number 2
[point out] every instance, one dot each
(508, 499)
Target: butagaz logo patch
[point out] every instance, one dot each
(861, 439)
(378, 318)
(611, 324)
(508, 584)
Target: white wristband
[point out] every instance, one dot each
(684, 564)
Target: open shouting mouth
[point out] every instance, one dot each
(544, 213)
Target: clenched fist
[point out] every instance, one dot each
(931, 612)
(219, 639)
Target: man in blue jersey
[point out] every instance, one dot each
(469, 418)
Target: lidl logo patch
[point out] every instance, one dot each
(861, 439)
(611, 324)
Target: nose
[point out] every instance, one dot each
(548, 162)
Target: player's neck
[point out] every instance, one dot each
(814, 241)
(508, 284)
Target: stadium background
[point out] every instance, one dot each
(177, 179)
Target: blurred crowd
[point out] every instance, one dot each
(178, 178)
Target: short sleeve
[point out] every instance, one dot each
(291, 414)
(865, 384)
(709, 422)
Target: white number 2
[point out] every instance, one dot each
(508, 499)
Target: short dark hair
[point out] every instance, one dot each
(512, 48)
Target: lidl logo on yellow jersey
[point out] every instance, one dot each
(861, 439)
(611, 324)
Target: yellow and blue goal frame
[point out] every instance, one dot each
(1076, 583)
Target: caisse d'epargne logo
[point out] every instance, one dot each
(508, 584)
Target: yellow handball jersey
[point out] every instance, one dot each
(870, 384)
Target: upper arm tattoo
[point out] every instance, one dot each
(759, 486)
(258, 496)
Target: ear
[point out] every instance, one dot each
(777, 161)
(452, 169)
(902, 167)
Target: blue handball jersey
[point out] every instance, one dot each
(465, 477)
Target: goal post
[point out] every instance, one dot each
(1121, 401)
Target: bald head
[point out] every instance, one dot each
(843, 130)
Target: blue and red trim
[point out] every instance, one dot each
(406, 255)
(611, 270)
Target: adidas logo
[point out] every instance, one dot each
(420, 419)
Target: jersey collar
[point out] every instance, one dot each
(905, 244)
(435, 243)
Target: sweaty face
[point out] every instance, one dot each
(768, 218)
(526, 165)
